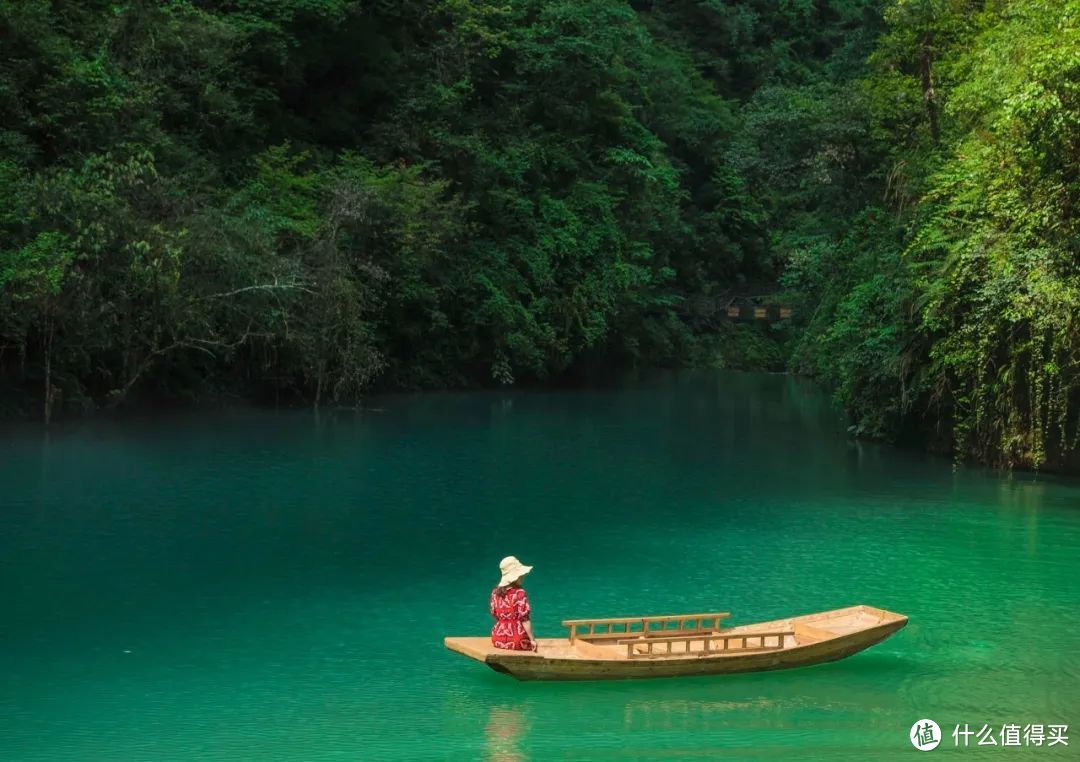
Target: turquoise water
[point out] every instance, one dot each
(276, 586)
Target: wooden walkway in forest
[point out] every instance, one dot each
(731, 307)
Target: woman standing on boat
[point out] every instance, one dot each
(510, 607)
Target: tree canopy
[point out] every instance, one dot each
(312, 199)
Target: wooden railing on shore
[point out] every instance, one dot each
(650, 648)
(645, 626)
(711, 307)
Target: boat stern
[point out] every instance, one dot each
(885, 619)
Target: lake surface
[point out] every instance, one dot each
(276, 585)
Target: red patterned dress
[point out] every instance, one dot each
(510, 609)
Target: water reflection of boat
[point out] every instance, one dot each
(687, 644)
(503, 734)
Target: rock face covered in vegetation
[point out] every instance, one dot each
(310, 199)
(947, 307)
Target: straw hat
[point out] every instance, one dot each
(512, 569)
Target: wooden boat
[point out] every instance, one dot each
(687, 644)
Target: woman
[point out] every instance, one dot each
(510, 607)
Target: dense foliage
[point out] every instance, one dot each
(948, 305)
(314, 198)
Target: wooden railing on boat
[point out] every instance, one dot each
(645, 626)
(710, 644)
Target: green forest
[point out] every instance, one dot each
(307, 201)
